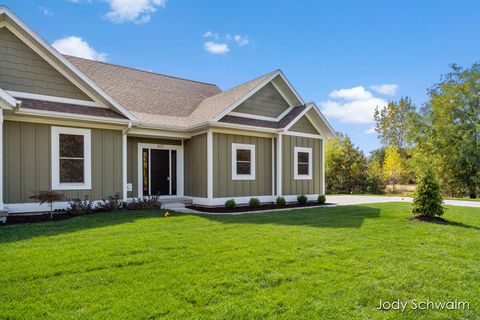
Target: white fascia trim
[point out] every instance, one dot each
(43, 97)
(296, 175)
(301, 134)
(140, 131)
(329, 126)
(290, 104)
(241, 126)
(64, 115)
(309, 106)
(257, 117)
(62, 59)
(291, 87)
(4, 95)
(87, 158)
(246, 96)
(241, 146)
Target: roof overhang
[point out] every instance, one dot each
(317, 119)
(7, 101)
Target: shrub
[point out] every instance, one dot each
(254, 202)
(302, 199)
(145, 203)
(113, 203)
(49, 197)
(280, 201)
(77, 206)
(230, 204)
(321, 199)
(428, 197)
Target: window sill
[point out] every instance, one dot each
(61, 187)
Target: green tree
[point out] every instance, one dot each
(345, 166)
(447, 131)
(393, 168)
(375, 181)
(392, 122)
(428, 197)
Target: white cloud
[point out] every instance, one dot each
(45, 11)
(387, 89)
(210, 34)
(355, 93)
(370, 130)
(137, 11)
(78, 47)
(353, 105)
(241, 40)
(216, 48)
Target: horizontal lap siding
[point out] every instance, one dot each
(195, 160)
(132, 159)
(266, 102)
(223, 185)
(22, 69)
(296, 187)
(27, 162)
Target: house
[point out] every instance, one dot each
(91, 129)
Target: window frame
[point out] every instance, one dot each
(298, 176)
(87, 159)
(241, 146)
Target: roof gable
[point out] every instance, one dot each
(266, 102)
(304, 125)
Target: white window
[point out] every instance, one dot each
(302, 161)
(243, 161)
(71, 159)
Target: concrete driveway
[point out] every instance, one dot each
(347, 200)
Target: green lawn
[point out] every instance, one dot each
(321, 263)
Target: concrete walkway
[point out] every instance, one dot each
(347, 200)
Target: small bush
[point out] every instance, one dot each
(428, 198)
(302, 199)
(111, 204)
(145, 203)
(280, 201)
(254, 202)
(230, 204)
(321, 199)
(49, 197)
(77, 206)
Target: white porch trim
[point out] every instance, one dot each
(279, 165)
(209, 165)
(1, 159)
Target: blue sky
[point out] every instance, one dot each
(336, 53)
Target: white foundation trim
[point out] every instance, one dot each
(245, 200)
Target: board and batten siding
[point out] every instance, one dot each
(195, 166)
(290, 186)
(267, 102)
(223, 185)
(304, 125)
(22, 69)
(27, 162)
(132, 159)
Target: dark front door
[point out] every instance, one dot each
(160, 168)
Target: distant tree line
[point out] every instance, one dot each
(443, 136)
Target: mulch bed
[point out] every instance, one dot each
(39, 217)
(428, 219)
(262, 207)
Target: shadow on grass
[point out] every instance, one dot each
(323, 217)
(457, 224)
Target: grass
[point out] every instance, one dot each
(321, 263)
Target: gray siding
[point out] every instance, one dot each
(27, 162)
(223, 185)
(266, 102)
(132, 159)
(295, 187)
(21, 69)
(304, 125)
(195, 174)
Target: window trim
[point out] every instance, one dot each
(235, 175)
(87, 158)
(297, 176)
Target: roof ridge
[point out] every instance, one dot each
(141, 70)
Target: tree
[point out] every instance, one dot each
(428, 197)
(447, 131)
(49, 197)
(392, 166)
(345, 166)
(392, 121)
(375, 181)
